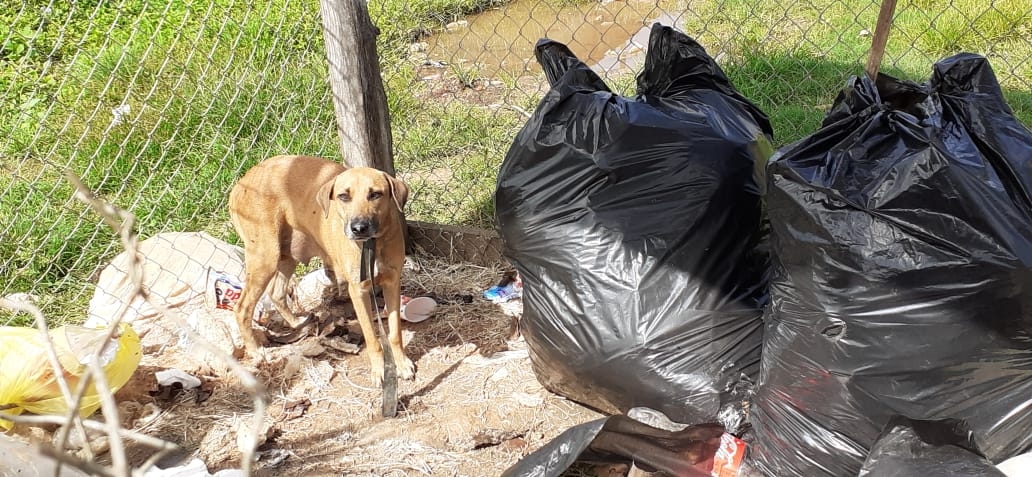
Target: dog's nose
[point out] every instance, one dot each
(361, 229)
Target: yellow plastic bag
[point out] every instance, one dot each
(27, 381)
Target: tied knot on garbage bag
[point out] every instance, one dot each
(28, 382)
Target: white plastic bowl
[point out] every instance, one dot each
(418, 309)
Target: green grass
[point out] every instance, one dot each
(792, 58)
(215, 86)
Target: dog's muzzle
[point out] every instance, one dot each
(361, 228)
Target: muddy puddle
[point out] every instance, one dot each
(610, 36)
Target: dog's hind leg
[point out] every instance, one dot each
(279, 288)
(258, 271)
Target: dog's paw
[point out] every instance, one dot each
(376, 370)
(406, 369)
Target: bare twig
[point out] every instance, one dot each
(84, 465)
(107, 403)
(96, 426)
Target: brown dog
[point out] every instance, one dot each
(289, 209)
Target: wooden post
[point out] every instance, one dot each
(881, 37)
(359, 101)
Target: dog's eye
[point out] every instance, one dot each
(373, 195)
(344, 197)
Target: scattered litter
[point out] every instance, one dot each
(170, 376)
(311, 289)
(272, 457)
(509, 288)
(173, 382)
(120, 113)
(418, 309)
(493, 437)
(340, 344)
(225, 288)
(173, 274)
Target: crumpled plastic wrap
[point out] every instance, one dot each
(28, 382)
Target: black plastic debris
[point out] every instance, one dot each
(619, 439)
(902, 274)
(925, 449)
(635, 224)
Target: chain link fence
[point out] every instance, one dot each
(161, 105)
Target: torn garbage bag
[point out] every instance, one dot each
(635, 225)
(902, 245)
(925, 448)
(619, 439)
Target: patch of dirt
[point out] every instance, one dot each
(444, 82)
(474, 408)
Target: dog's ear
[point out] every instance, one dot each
(325, 196)
(399, 191)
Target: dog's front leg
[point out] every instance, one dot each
(392, 296)
(359, 292)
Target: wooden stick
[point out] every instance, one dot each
(881, 37)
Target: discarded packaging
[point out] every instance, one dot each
(27, 380)
(312, 288)
(168, 377)
(509, 289)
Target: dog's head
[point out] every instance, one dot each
(364, 198)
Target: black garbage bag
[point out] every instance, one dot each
(926, 449)
(902, 274)
(635, 224)
(619, 439)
